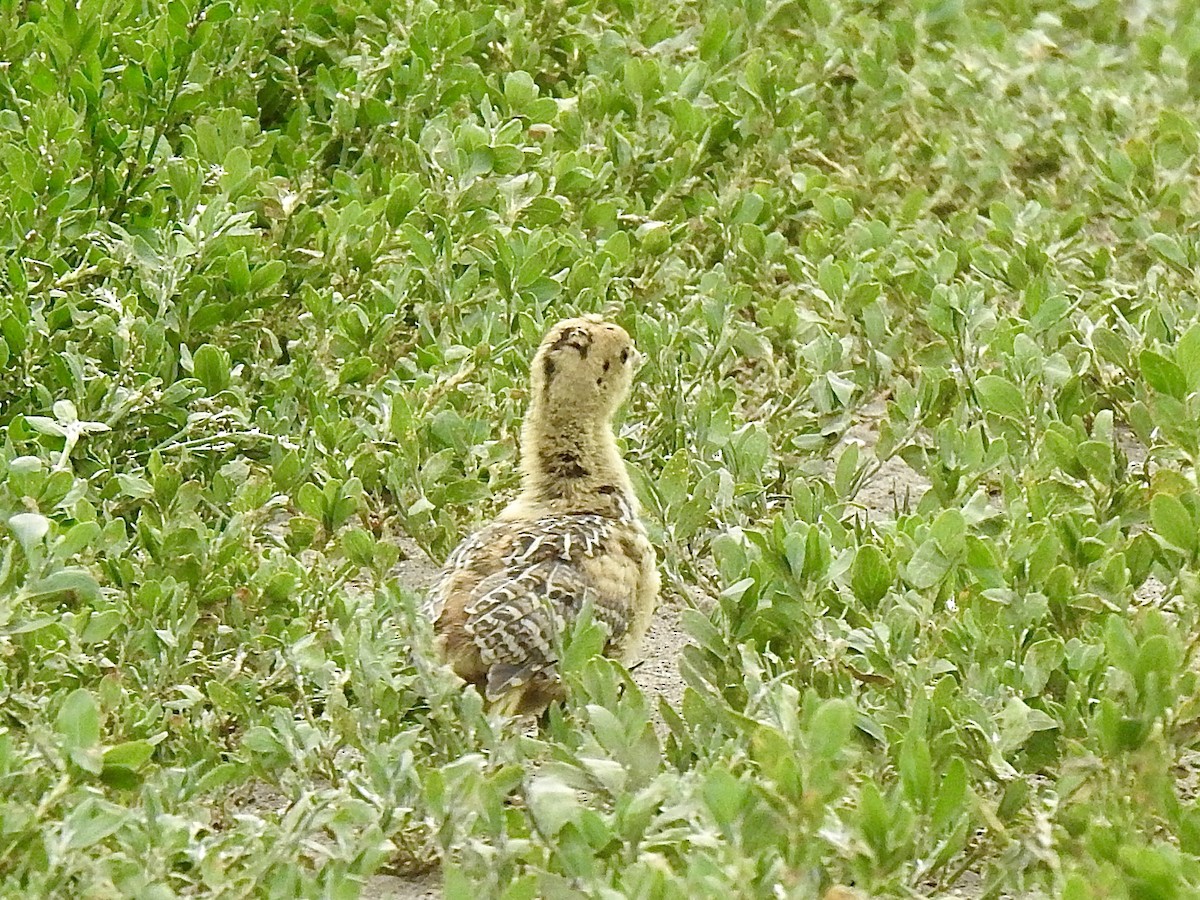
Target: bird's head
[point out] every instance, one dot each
(584, 368)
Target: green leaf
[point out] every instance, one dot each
(311, 501)
(847, 468)
(916, 770)
(70, 580)
(722, 795)
(237, 268)
(1097, 458)
(655, 237)
(1041, 659)
(358, 545)
(542, 211)
(927, 567)
(585, 641)
(870, 575)
(949, 531)
(356, 370)
(261, 739)
(1162, 374)
(552, 803)
(211, 365)
(45, 425)
(716, 31)
(950, 805)
(130, 755)
(1000, 396)
(519, 90)
(100, 626)
(91, 822)
(1017, 722)
(29, 529)
(831, 726)
(78, 720)
(1169, 248)
(457, 885)
(267, 275)
(873, 818)
(1187, 356)
(135, 486)
(1173, 523)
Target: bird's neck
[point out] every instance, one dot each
(571, 463)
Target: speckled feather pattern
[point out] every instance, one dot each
(521, 584)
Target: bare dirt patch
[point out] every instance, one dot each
(894, 486)
(391, 887)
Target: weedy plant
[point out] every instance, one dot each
(269, 277)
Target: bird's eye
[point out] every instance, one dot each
(624, 356)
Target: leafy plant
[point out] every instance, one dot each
(916, 435)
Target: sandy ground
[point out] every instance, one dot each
(895, 485)
(389, 887)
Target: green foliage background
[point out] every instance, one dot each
(270, 273)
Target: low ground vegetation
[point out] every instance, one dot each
(270, 274)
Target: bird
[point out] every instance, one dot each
(573, 534)
(841, 892)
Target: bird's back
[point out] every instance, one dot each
(511, 590)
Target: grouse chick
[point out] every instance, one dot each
(509, 591)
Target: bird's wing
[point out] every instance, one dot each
(460, 557)
(531, 581)
(517, 622)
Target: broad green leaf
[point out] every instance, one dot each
(949, 530)
(586, 640)
(29, 529)
(873, 817)
(1173, 522)
(1169, 248)
(131, 754)
(267, 275)
(1162, 374)
(311, 501)
(831, 727)
(928, 566)
(91, 822)
(847, 468)
(870, 575)
(1018, 722)
(71, 580)
(519, 90)
(100, 626)
(552, 803)
(135, 486)
(78, 720)
(261, 739)
(211, 365)
(951, 802)
(45, 425)
(723, 795)
(1000, 396)
(916, 770)
(65, 412)
(1187, 357)
(716, 30)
